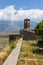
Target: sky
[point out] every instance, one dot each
(25, 4)
(18, 10)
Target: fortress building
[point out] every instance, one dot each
(27, 32)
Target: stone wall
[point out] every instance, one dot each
(13, 37)
(27, 35)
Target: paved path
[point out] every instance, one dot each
(13, 57)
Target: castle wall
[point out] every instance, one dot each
(26, 35)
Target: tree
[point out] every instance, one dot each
(39, 31)
(39, 28)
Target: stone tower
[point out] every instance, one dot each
(26, 23)
(27, 33)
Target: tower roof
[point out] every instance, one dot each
(27, 19)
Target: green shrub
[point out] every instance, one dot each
(13, 45)
(40, 43)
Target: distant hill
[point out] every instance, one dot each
(5, 26)
(33, 24)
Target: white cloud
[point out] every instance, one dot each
(11, 14)
(7, 13)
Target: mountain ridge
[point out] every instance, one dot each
(6, 27)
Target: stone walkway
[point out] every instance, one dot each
(13, 57)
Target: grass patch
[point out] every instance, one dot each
(4, 40)
(40, 61)
(4, 54)
(27, 53)
(3, 43)
(21, 62)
